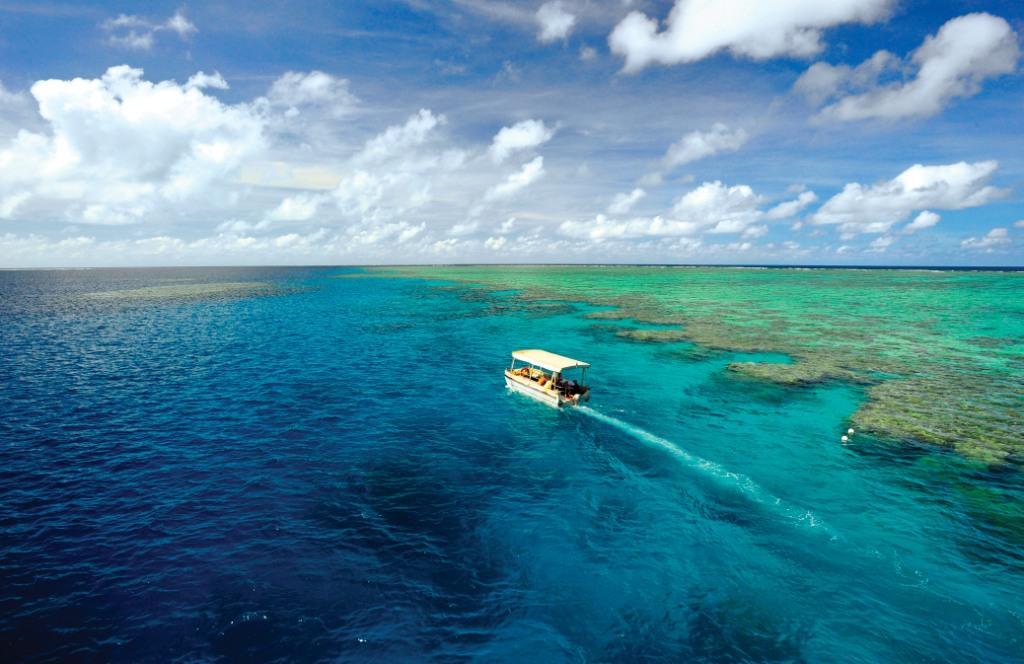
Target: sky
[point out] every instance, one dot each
(848, 132)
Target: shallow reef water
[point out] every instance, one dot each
(942, 350)
(313, 468)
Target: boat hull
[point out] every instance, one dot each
(549, 397)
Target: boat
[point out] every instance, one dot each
(541, 377)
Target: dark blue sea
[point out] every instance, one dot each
(324, 465)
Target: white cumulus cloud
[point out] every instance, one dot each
(723, 208)
(791, 208)
(464, 228)
(296, 91)
(988, 242)
(952, 63)
(300, 207)
(524, 177)
(202, 80)
(875, 208)
(880, 244)
(700, 144)
(712, 207)
(822, 80)
(601, 228)
(624, 202)
(696, 29)
(495, 243)
(9, 204)
(523, 135)
(119, 145)
(926, 219)
(395, 173)
(399, 139)
(554, 21)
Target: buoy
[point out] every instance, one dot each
(844, 439)
(849, 431)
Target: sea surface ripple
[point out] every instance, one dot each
(244, 464)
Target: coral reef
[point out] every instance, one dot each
(942, 351)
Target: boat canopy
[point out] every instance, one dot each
(546, 360)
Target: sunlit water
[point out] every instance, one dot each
(324, 468)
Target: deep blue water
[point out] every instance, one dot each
(332, 469)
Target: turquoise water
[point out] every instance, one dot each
(321, 468)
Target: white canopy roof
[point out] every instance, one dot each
(546, 360)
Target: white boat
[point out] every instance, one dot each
(540, 377)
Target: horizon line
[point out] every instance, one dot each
(844, 266)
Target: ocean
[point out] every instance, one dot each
(307, 464)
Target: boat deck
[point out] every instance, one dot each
(531, 385)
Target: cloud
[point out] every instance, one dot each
(101, 214)
(791, 208)
(822, 80)
(524, 177)
(623, 203)
(395, 172)
(464, 228)
(926, 219)
(201, 80)
(700, 144)
(398, 139)
(953, 63)
(523, 135)
(694, 146)
(696, 29)
(1019, 224)
(10, 204)
(239, 226)
(165, 249)
(713, 208)
(317, 91)
(555, 23)
(138, 33)
(205, 181)
(180, 24)
(446, 246)
(994, 238)
(725, 209)
(384, 234)
(602, 228)
(183, 164)
(118, 146)
(875, 208)
(410, 173)
(880, 244)
(301, 207)
(409, 232)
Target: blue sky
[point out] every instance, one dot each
(786, 131)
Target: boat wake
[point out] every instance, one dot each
(735, 481)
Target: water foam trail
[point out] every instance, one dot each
(735, 481)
